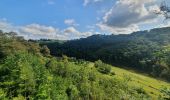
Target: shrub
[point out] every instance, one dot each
(166, 92)
(103, 68)
(113, 73)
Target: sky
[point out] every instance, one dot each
(74, 19)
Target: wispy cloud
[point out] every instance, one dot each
(86, 2)
(71, 22)
(37, 31)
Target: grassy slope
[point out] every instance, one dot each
(150, 85)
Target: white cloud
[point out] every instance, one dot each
(71, 22)
(37, 31)
(5, 26)
(165, 23)
(72, 32)
(126, 16)
(86, 2)
(117, 30)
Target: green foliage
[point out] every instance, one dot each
(145, 51)
(140, 90)
(27, 71)
(45, 51)
(2, 95)
(56, 79)
(166, 92)
(20, 97)
(103, 68)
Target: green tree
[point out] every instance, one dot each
(45, 51)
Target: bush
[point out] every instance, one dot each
(45, 51)
(113, 73)
(2, 95)
(140, 90)
(103, 68)
(166, 92)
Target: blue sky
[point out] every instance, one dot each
(71, 19)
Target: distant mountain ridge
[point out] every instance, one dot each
(146, 51)
(29, 72)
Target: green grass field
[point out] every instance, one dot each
(150, 85)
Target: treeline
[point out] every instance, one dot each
(146, 51)
(29, 72)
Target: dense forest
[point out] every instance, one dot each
(29, 72)
(145, 51)
(85, 50)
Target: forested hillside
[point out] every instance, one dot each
(84, 50)
(29, 72)
(145, 51)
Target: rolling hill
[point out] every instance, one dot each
(145, 51)
(28, 71)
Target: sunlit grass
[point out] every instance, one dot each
(150, 85)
